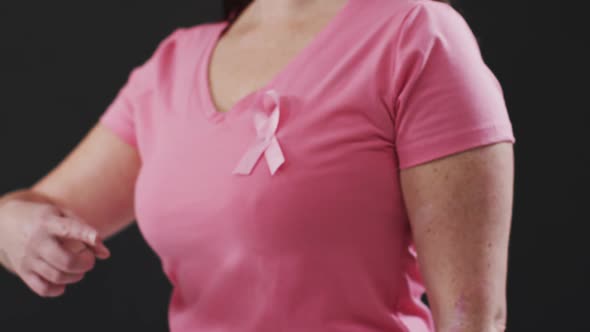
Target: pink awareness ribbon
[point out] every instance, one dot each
(266, 142)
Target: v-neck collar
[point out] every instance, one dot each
(202, 78)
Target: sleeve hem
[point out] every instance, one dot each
(119, 130)
(439, 147)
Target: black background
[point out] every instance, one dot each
(62, 63)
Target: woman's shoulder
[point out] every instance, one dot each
(201, 30)
(429, 18)
(406, 8)
(182, 45)
(416, 26)
(193, 35)
(173, 54)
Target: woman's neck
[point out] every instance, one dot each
(273, 12)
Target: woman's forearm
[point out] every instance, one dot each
(25, 194)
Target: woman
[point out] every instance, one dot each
(301, 166)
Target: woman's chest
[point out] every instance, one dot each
(338, 170)
(320, 156)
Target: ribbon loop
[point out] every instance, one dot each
(266, 142)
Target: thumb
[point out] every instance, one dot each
(76, 246)
(100, 250)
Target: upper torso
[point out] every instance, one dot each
(313, 235)
(321, 245)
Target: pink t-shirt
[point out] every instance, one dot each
(285, 213)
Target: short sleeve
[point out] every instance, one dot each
(137, 94)
(447, 100)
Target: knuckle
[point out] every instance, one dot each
(85, 266)
(46, 214)
(44, 290)
(42, 249)
(25, 263)
(59, 259)
(42, 228)
(60, 278)
(53, 275)
(63, 229)
(33, 248)
(69, 262)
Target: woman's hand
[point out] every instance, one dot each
(47, 247)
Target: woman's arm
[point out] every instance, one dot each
(95, 181)
(460, 210)
(50, 233)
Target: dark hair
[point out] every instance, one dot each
(233, 8)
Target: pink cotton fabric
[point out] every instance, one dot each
(323, 243)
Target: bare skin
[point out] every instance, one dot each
(51, 233)
(460, 209)
(259, 36)
(96, 181)
(459, 206)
